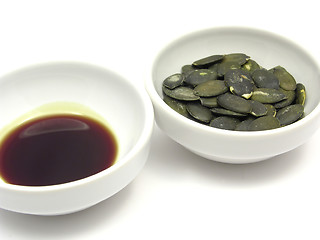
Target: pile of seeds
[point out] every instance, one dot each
(234, 92)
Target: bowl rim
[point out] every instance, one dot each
(140, 143)
(157, 100)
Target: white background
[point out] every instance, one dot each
(178, 195)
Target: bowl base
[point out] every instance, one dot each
(228, 160)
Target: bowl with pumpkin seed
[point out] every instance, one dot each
(235, 94)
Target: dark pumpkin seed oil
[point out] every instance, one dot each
(56, 149)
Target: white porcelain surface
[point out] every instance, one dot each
(103, 91)
(268, 50)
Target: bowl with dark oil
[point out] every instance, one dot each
(235, 94)
(65, 140)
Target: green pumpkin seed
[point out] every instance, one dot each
(187, 69)
(224, 67)
(300, 94)
(209, 102)
(265, 79)
(200, 76)
(287, 81)
(290, 114)
(214, 67)
(291, 95)
(239, 82)
(178, 106)
(251, 66)
(207, 61)
(258, 109)
(173, 81)
(181, 93)
(244, 125)
(271, 110)
(231, 61)
(199, 112)
(210, 88)
(264, 123)
(226, 112)
(228, 98)
(234, 103)
(267, 95)
(239, 58)
(225, 122)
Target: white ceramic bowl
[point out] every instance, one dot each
(267, 49)
(126, 108)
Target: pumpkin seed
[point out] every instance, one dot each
(187, 69)
(267, 95)
(287, 81)
(173, 81)
(265, 79)
(234, 103)
(224, 67)
(214, 68)
(264, 123)
(200, 76)
(251, 66)
(181, 93)
(222, 111)
(207, 61)
(271, 110)
(199, 112)
(178, 106)
(239, 82)
(225, 122)
(210, 88)
(244, 125)
(239, 58)
(258, 109)
(300, 94)
(290, 114)
(291, 95)
(231, 61)
(235, 93)
(209, 102)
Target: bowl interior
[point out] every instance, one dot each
(268, 49)
(109, 95)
